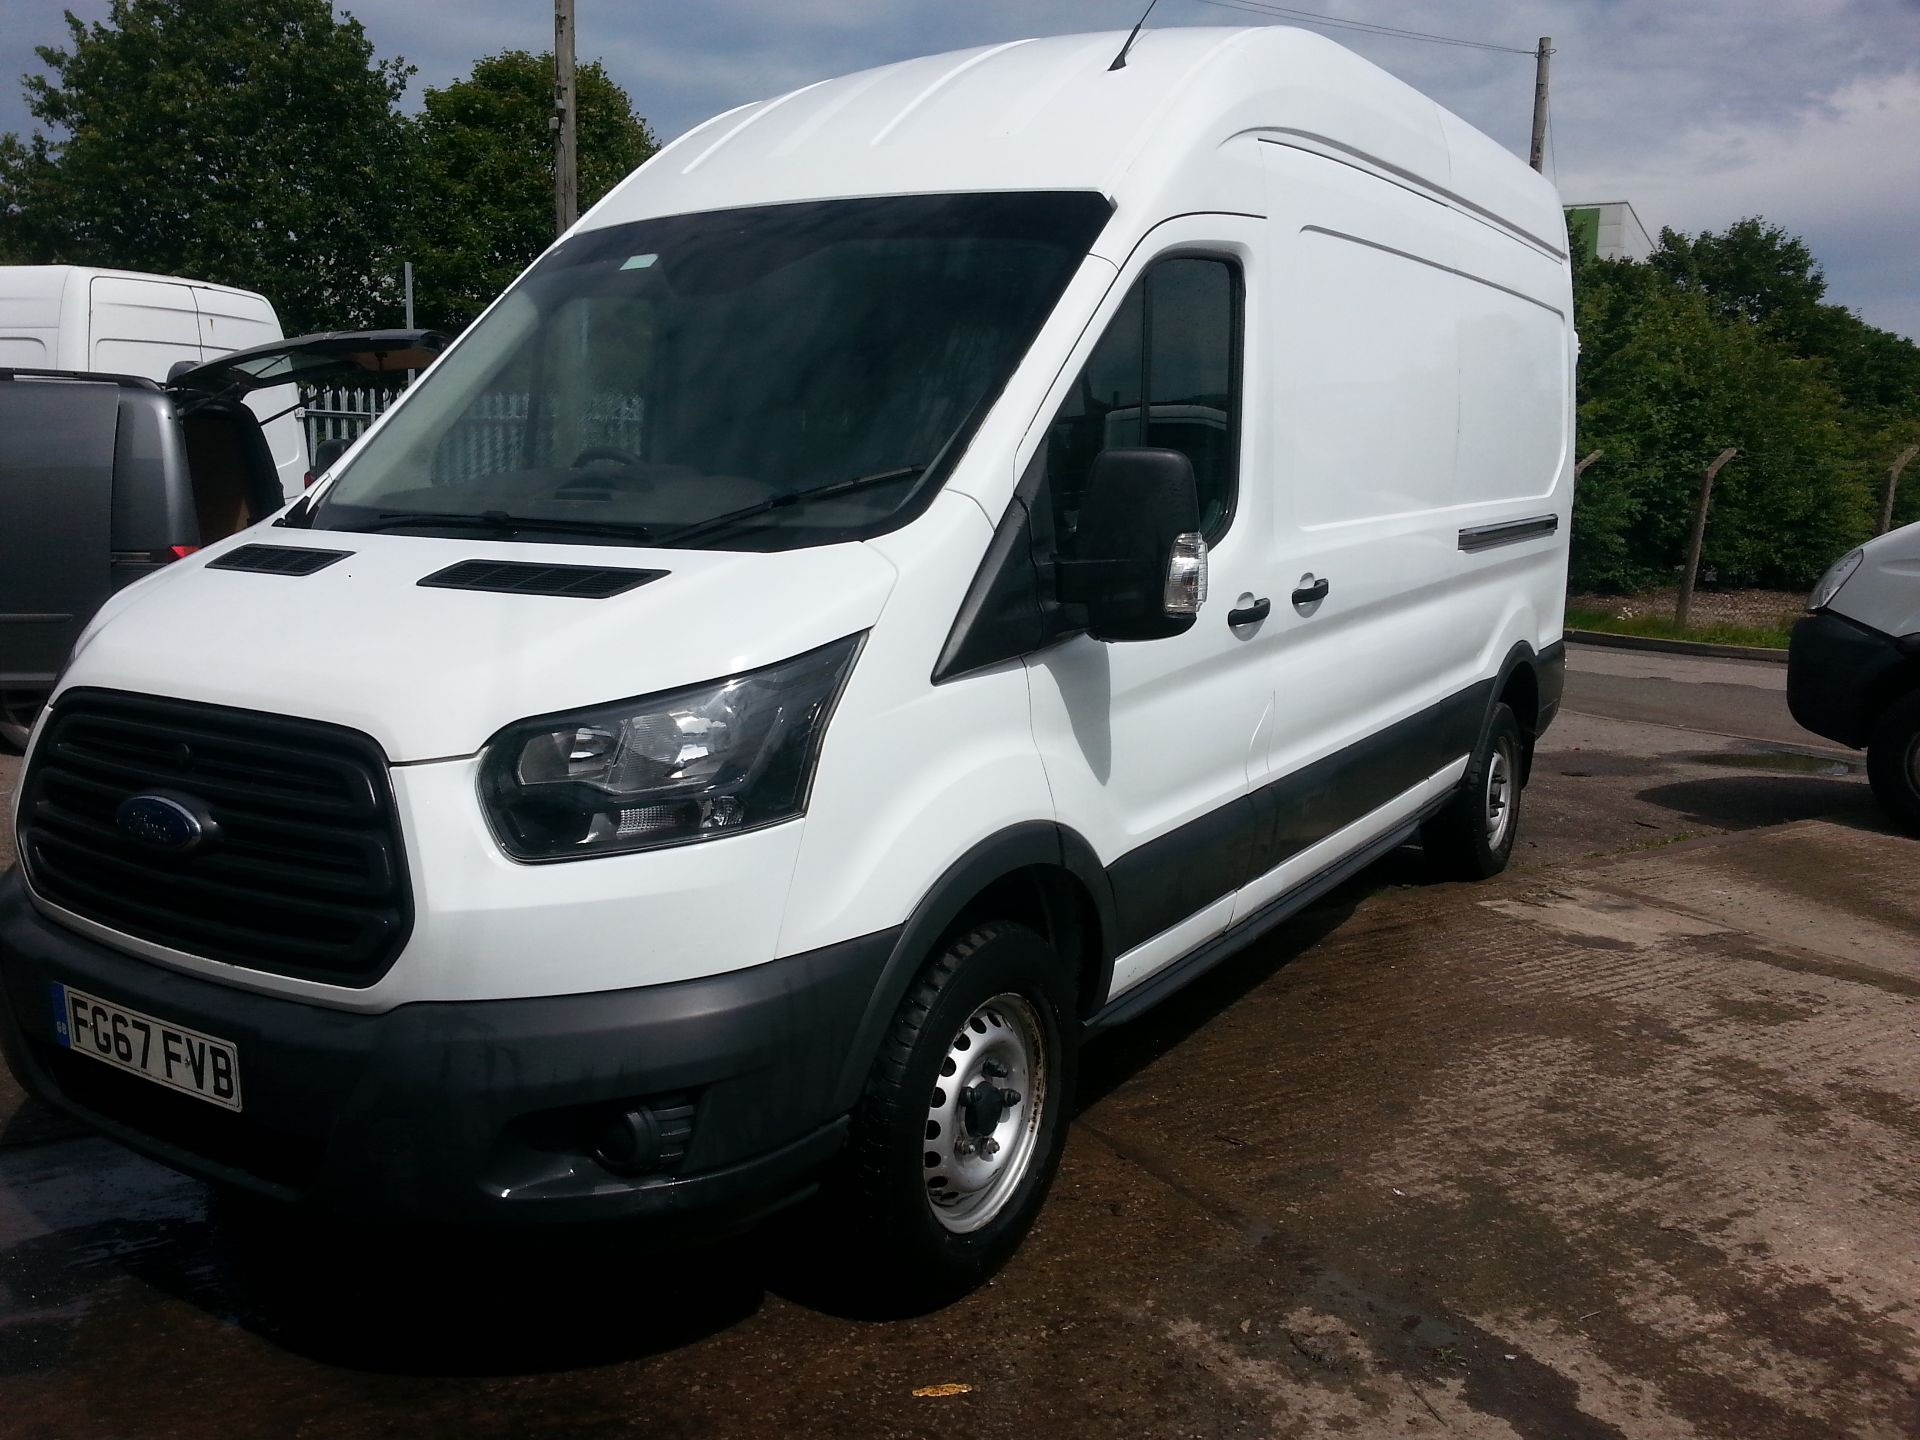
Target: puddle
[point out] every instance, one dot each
(1784, 762)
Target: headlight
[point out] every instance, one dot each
(1837, 575)
(695, 764)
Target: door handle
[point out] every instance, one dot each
(1311, 594)
(1250, 614)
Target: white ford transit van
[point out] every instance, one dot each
(929, 565)
(122, 322)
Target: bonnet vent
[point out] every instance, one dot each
(278, 559)
(509, 577)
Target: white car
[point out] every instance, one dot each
(929, 565)
(1853, 672)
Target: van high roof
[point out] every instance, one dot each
(39, 281)
(1172, 131)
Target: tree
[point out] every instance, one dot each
(1725, 339)
(1750, 271)
(250, 142)
(485, 206)
(1756, 272)
(1667, 379)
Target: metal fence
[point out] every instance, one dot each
(341, 412)
(489, 437)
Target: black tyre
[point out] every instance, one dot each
(1893, 761)
(1472, 838)
(956, 1141)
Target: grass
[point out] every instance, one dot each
(1769, 637)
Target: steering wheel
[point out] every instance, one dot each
(606, 452)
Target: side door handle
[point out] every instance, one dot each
(1250, 614)
(1311, 594)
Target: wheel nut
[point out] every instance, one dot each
(994, 1070)
(990, 1147)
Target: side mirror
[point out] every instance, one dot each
(1139, 564)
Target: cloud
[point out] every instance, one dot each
(1842, 171)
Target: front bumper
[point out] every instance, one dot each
(485, 1110)
(1837, 672)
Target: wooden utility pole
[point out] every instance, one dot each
(566, 178)
(1893, 485)
(1538, 152)
(1699, 537)
(1581, 468)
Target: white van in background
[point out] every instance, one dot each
(929, 565)
(121, 322)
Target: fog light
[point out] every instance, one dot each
(630, 1145)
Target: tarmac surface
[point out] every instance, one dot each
(1623, 1143)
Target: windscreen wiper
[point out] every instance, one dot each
(503, 523)
(700, 528)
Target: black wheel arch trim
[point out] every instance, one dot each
(1042, 844)
(1548, 667)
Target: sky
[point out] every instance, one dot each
(1699, 112)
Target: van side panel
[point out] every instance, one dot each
(30, 318)
(1421, 399)
(141, 327)
(56, 460)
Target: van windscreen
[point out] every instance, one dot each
(757, 379)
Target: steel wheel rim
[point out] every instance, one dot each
(1499, 797)
(971, 1176)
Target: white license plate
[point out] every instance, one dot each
(193, 1063)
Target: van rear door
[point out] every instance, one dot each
(233, 320)
(141, 326)
(334, 357)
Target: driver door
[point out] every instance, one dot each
(1148, 745)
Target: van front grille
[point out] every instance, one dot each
(292, 862)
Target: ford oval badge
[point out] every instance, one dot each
(161, 822)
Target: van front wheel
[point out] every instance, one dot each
(955, 1143)
(1472, 838)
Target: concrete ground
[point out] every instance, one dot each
(1624, 1143)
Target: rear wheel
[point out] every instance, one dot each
(1893, 761)
(957, 1138)
(1472, 838)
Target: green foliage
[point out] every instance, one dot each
(1760, 637)
(485, 207)
(1724, 340)
(1749, 271)
(259, 143)
(250, 142)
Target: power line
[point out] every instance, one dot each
(1366, 27)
